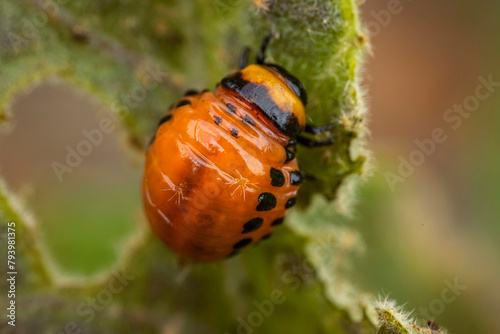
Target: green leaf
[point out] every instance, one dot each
(138, 57)
(321, 43)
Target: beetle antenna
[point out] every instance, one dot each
(261, 55)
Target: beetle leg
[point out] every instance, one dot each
(152, 140)
(261, 55)
(308, 142)
(306, 176)
(165, 118)
(191, 92)
(319, 129)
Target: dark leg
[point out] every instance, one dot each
(152, 140)
(307, 142)
(306, 176)
(261, 55)
(191, 92)
(164, 119)
(319, 129)
(243, 62)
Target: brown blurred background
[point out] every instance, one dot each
(438, 226)
(442, 222)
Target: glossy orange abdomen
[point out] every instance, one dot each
(220, 175)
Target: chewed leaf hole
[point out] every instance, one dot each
(66, 158)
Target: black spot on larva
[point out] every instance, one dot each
(183, 103)
(164, 119)
(277, 178)
(217, 119)
(266, 236)
(242, 243)
(295, 178)
(290, 203)
(249, 120)
(252, 225)
(205, 91)
(289, 156)
(191, 92)
(267, 202)
(277, 222)
(292, 142)
(234, 133)
(231, 107)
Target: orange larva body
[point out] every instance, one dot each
(221, 172)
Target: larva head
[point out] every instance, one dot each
(279, 95)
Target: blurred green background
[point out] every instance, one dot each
(440, 224)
